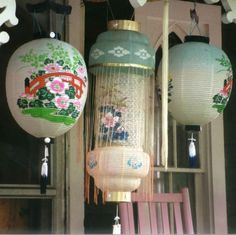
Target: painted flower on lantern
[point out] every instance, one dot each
(57, 86)
(134, 163)
(28, 96)
(92, 162)
(81, 71)
(50, 92)
(111, 127)
(109, 120)
(62, 102)
(51, 68)
(77, 104)
(119, 51)
(221, 99)
(96, 53)
(143, 54)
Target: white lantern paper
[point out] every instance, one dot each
(200, 82)
(122, 62)
(46, 86)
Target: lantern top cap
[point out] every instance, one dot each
(124, 25)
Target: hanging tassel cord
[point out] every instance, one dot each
(44, 168)
(117, 226)
(192, 152)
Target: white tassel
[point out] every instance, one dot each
(192, 149)
(116, 226)
(44, 169)
(192, 153)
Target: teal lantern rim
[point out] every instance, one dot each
(122, 47)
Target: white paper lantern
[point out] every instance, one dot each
(200, 82)
(46, 86)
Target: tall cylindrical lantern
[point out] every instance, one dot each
(122, 66)
(200, 81)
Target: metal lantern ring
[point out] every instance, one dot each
(122, 66)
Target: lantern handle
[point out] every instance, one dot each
(194, 19)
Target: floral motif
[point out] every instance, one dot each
(62, 102)
(92, 163)
(220, 99)
(81, 71)
(53, 94)
(57, 86)
(143, 54)
(134, 163)
(109, 120)
(77, 104)
(51, 68)
(111, 123)
(96, 53)
(119, 51)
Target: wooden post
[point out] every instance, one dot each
(164, 88)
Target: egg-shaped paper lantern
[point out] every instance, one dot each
(46, 86)
(200, 81)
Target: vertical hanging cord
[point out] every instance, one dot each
(132, 16)
(194, 19)
(51, 23)
(44, 168)
(117, 226)
(110, 9)
(36, 25)
(164, 147)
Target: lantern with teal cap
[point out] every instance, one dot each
(121, 64)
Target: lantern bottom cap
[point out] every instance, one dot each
(118, 197)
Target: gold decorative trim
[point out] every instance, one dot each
(122, 65)
(118, 197)
(123, 25)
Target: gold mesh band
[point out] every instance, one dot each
(124, 25)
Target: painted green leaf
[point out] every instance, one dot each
(48, 114)
(71, 92)
(22, 103)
